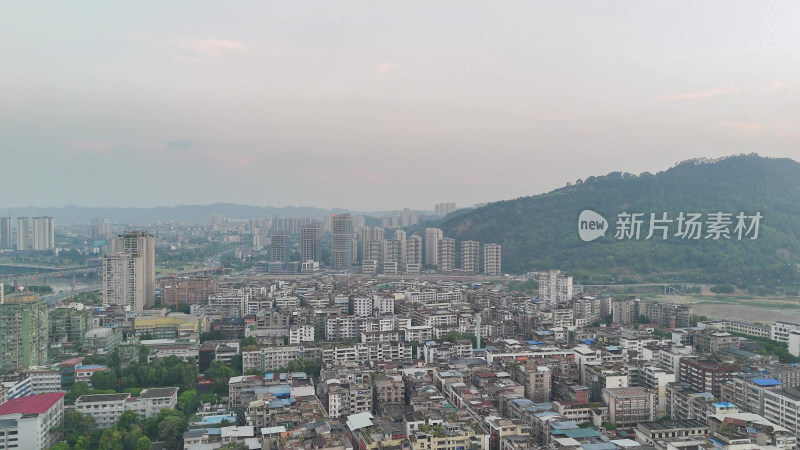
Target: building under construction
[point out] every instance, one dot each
(187, 290)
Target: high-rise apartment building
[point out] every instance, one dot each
(24, 331)
(6, 241)
(370, 234)
(492, 260)
(342, 242)
(43, 233)
(357, 222)
(23, 230)
(446, 254)
(393, 251)
(129, 271)
(400, 236)
(414, 250)
(443, 209)
(311, 242)
(373, 251)
(278, 247)
(555, 287)
(68, 326)
(408, 218)
(123, 282)
(470, 256)
(623, 310)
(432, 236)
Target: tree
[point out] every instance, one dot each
(83, 443)
(77, 425)
(104, 379)
(220, 373)
(60, 446)
(722, 289)
(188, 402)
(144, 444)
(216, 335)
(111, 439)
(130, 437)
(209, 398)
(127, 420)
(78, 389)
(234, 446)
(144, 353)
(236, 363)
(249, 341)
(307, 365)
(151, 428)
(170, 430)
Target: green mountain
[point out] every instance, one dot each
(540, 232)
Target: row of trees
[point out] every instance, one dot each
(129, 433)
(163, 372)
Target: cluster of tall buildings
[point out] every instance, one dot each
(39, 237)
(445, 208)
(409, 254)
(555, 287)
(310, 247)
(384, 249)
(129, 273)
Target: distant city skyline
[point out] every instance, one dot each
(381, 106)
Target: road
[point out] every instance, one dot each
(53, 300)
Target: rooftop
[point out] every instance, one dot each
(158, 392)
(32, 404)
(673, 424)
(96, 398)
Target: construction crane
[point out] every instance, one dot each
(222, 269)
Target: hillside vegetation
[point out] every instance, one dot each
(541, 232)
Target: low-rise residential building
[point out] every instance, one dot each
(273, 358)
(107, 408)
(629, 406)
(101, 340)
(736, 429)
(782, 407)
(649, 433)
(32, 422)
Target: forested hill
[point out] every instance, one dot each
(541, 232)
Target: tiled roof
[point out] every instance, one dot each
(32, 404)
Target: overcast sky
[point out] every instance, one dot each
(377, 105)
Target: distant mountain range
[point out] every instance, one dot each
(540, 232)
(183, 213)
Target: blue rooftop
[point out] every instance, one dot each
(581, 433)
(767, 382)
(724, 405)
(90, 367)
(522, 402)
(603, 446)
(281, 390)
(216, 420)
(568, 425)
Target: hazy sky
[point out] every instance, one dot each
(380, 104)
